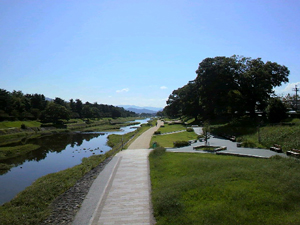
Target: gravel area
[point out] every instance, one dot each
(65, 207)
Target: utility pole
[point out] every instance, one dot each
(296, 90)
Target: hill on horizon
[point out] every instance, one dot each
(139, 109)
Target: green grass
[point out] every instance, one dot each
(10, 124)
(211, 189)
(31, 205)
(286, 136)
(247, 132)
(11, 152)
(171, 128)
(168, 139)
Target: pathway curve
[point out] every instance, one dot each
(121, 192)
(143, 141)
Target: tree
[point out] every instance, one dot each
(276, 110)
(5, 100)
(215, 80)
(78, 106)
(257, 81)
(206, 131)
(60, 101)
(248, 83)
(37, 101)
(290, 101)
(54, 112)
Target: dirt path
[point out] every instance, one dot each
(143, 141)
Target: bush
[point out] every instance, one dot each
(23, 126)
(249, 144)
(157, 132)
(189, 129)
(178, 144)
(158, 151)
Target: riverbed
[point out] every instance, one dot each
(57, 152)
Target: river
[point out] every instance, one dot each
(57, 152)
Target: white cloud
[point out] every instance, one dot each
(291, 86)
(163, 87)
(287, 89)
(123, 90)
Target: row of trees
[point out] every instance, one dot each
(16, 105)
(227, 87)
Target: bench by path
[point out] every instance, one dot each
(232, 148)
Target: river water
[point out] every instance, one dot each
(57, 152)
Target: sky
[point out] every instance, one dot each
(136, 52)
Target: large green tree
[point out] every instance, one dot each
(216, 82)
(257, 81)
(227, 86)
(237, 84)
(54, 112)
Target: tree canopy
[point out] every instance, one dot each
(227, 86)
(17, 106)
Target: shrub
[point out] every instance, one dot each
(189, 129)
(249, 144)
(158, 151)
(178, 144)
(23, 126)
(157, 132)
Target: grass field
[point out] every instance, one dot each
(288, 136)
(167, 140)
(171, 128)
(9, 124)
(210, 189)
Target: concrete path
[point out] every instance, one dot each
(121, 192)
(143, 141)
(232, 148)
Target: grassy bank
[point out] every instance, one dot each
(211, 189)
(171, 128)
(9, 152)
(31, 206)
(168, 139)
(12, 132)
(20, 138)
(286, 134)
(12, 124)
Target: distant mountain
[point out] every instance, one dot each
(48, 99)
(138, 109)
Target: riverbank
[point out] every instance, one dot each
(58, 200)
(13, 141)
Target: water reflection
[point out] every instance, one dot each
(57, 152)
(54, 143)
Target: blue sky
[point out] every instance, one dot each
(136, 52)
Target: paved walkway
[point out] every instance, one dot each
(121, 192)
(143, 141)
(232, 148)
